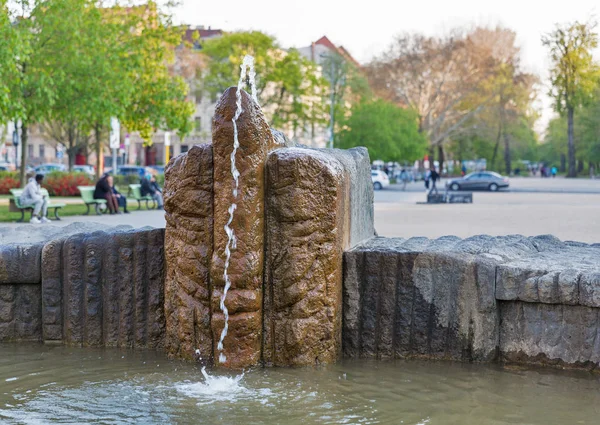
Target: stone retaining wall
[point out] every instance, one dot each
(98, 288)
(511, 298)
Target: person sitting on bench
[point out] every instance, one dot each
(32, 197)
(104, 191)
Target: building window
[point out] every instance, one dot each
(42, 151)
(30, 151)
(184, 148)
(198, 124)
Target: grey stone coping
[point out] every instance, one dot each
(21, 248)
(540, 269)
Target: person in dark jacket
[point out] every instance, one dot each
(149, 187)
(121, 199)
(435, 176)
(104, 191)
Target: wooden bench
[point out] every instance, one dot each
(135, 192)
(16, 206)
(87, 195)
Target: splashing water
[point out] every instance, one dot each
(214, 388)
(247, 70)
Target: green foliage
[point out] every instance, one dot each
(389, 132)
(288, 85)
(586, 134)
(574, 75)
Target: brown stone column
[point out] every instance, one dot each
(307, 231)
(242, 346)
(188, 250)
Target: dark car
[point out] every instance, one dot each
(479, 180)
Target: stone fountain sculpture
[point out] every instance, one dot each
(298, 210)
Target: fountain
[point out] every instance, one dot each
(269, 258)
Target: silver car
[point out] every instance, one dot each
(479, 180)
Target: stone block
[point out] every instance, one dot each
(307, 230)
(188, 251)
(245, 268)
(20, 312)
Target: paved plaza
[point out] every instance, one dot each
(568, 209)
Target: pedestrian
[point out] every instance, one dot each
(435, 176)
(121, 199)
(426, 178)
(463, 170)
(151, 188)
(104, 191)
(32, 197)
(553, 171)
(592, 172)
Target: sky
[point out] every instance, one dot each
(366, 28)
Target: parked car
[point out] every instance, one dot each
(480, 180)
(86, 169)
(7, 166)
(380, 179)
(49, 168)
(128, 170)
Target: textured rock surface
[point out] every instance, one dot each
(559, 334)
(419, 304)
(104, 289)
(528, 299)
(242, 346)
(20, 312)
(188, 251)
(305, 242)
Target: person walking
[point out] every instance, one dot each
(435, 176)
(151, 188)
(32, 197)
(121, 199)
(427, 178)
(553, 171)
(104, 191)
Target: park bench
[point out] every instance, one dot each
(87, 195)
(16, 206)
(135, 192)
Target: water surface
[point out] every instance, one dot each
(41, 384)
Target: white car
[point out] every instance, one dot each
(380, 179)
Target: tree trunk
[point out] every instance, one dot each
(563, 163)
(580, 166)
(496, 146)
(71, 151)
(23, 171)
(441, 158)
(507, 158)
(572, 162)
(431, 156)
(98, 149)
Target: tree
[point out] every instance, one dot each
(573, 74)
(347, 86)
(288, 86)
(439, 78)
(30, 84)
(389, 132)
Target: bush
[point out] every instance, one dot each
(65, 184)
(8, 180)
(126, 180)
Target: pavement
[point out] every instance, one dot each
(566, 208)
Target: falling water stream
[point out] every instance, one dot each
(247, 70)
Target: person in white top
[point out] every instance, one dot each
(32, 197)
